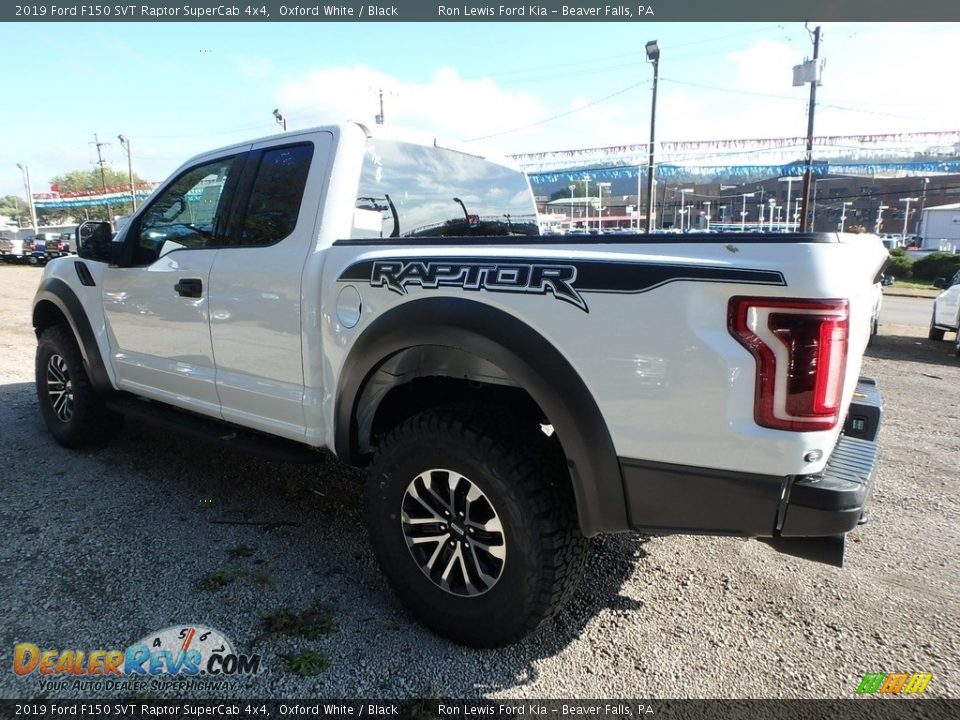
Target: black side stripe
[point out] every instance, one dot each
(565, 279)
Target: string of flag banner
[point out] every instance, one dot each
(819, 169)
(631, 154)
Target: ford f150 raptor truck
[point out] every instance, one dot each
(510, 394)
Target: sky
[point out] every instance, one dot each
(176, 90)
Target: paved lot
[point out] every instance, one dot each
(101, 548)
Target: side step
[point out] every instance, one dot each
(221, 433)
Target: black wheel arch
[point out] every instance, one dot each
(56, 303)
(528, 359)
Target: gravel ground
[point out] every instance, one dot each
(101, 548)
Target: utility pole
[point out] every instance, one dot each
(380, 116)
(125, 143)
(26, 186)
(808, 173)
(653, 56)
(103, 175)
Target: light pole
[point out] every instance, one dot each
(281, 120)
(796, 214)
(653, 56)
(586, 204)
(707, 203)
(743, 211)
(683, 209)
(601, 186)
(879, 223)
(26, 186)
(571, 205)
(906, 218)
(125, 144)
(771, 202)
(789, 182)
(843, 215)
(923, 202)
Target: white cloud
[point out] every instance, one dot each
(446, 105)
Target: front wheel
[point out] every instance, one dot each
(71, 408)
(473, 539)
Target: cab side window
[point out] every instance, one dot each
(186, 214)
(276, 195)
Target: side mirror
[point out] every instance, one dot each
(940, 283)
(95, 241)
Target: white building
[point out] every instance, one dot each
(940, 228)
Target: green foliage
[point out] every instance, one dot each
(900, 265)
(217, 580)
(15, 207)
(90, 179)
(898, 252)
(77, 180)
(934, 265)
(310, 625)
(579, 191)
(308, 663)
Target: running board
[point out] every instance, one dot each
(221, 433)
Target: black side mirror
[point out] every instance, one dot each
(95, 241)
(940, 283)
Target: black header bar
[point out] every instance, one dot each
(647, 11)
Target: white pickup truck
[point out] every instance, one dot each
(509, 394)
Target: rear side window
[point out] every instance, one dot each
(276, 195)
(409, 191)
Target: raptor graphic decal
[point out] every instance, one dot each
(564, 279)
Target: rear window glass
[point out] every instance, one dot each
(409, 191)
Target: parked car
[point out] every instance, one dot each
(946, 310)
(13, 250)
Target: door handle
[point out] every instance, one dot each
(189, 287)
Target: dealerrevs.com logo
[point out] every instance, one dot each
(180, 656)
(901, 683)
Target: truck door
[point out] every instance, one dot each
(156, 305)
(255, 284)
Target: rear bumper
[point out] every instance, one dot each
(682, 499)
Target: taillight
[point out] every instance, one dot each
(801, 351)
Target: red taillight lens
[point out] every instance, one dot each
(801, 351)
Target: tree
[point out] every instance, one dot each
(15, 207)
(80, 180)
(579, 190)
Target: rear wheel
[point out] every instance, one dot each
(472, 537)
(71, 408)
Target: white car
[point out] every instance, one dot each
(946, 311)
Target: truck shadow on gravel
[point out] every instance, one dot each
(913, 349)
(257, 539)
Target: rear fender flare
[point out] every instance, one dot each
(526, 357)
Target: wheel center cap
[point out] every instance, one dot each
(457, 530)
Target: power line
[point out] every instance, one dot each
(560, 115)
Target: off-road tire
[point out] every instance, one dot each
(85, 421)
(544, 549)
